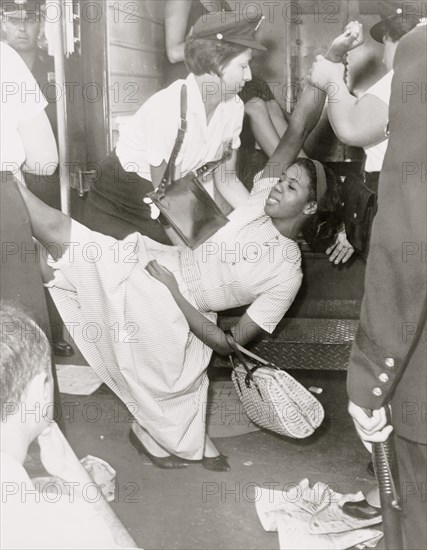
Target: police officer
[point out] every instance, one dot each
(22, 27)
(388, 359)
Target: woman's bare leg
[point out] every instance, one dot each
(49, 226)
(261, 125)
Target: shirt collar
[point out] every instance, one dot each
(194, 101)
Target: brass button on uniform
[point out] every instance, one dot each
(377, 391)
(389, 362)
(383, 377)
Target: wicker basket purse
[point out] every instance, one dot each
(273, 399)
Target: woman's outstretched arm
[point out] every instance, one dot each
(304, 118)
(49, 226)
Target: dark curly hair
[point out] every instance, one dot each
(321, 228)
(204, 56)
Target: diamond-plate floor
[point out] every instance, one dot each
(298, 356)
(309, 331)
(312, 344)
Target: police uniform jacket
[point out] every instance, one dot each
(396, 275)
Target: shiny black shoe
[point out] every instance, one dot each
(361, 510)
(62, 348)
(216, 463)
(167, 462)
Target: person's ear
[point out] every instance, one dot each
(310, 208)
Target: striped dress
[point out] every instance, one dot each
(136, 338)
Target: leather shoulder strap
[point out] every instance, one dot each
(169, 175)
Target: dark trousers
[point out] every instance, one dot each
(21, 281)
(412, 465)
(116, 205)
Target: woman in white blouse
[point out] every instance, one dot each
(217, 53)
(144, 314)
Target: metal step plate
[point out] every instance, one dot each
(308, 331)
(298, 356)
(313, 344)
(312, 309)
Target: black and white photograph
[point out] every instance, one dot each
(213, 274)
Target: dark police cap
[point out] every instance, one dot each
(21, 7)
(392, 10)
(229, 26)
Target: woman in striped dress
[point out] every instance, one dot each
(143, 314)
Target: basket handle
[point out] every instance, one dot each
(249, 372)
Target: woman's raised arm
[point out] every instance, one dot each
(304, 118)
(309, 107)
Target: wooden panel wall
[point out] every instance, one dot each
(135, 56)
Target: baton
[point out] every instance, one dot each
(384, 460)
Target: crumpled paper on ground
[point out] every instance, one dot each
(310, 518)
(102, 473)
(77, 379)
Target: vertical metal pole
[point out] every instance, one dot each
(58, 8)
(289, 89)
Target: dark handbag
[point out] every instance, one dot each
(184, 204)
(360, 207)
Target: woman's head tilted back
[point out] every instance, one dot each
(307, 199)
(321, 228)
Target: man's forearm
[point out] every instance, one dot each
(340, 108)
